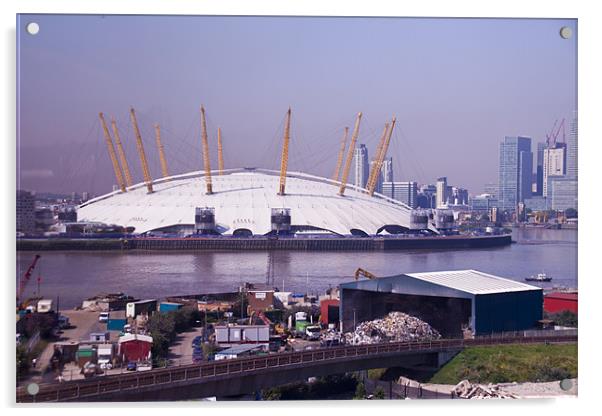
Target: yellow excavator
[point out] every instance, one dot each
(361, 272)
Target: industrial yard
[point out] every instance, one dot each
(116, 334)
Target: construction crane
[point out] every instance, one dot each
(373, 173)
(381, 158)
(551, 138)
(112, 154)
(145, 171)
(362, 272)
(356, 131)
(337, 171)
(25, 278)
(161, 151)
(284, 159)
(121, 153)
(206, 161)
(220, 152)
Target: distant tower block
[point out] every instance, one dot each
(419, 220)
(204, 220)
(444, 219)
(281, 220)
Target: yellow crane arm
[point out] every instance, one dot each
(161, 150)
(206, 161)
(382, 155)
(356, 131)
(373, 172)
(121, 153)
(140, 146)
(111, 149)
(284, 159)
(220, 152)
(362, 272)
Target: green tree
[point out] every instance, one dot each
(22, 361)
(360, 391)
(379, 393)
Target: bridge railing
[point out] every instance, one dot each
(83, 389)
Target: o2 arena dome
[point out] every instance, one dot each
(245, 202)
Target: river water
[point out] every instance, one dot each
(74, 276)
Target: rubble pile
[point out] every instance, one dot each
(466, 390)
(396, 326)
(331, 337)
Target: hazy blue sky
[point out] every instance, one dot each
(456, 86)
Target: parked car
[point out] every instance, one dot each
(131, 366)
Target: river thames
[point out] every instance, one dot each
(74, 276)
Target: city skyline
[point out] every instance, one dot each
(247, 77)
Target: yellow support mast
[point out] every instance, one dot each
(220, 152)
(111, 149)
(145, 171)
(206, 161)
(121, 153)
(284, 160)
(382, 155)
(337, 171)
(161, 150)
(373, 173)
(356, 131)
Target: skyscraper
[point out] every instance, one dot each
(360, 161)
(406, 192)
(25, 212)
(441, 192)
(539, 172)
(571, 150)
(554, 164)
(515, 172)
(385, 174)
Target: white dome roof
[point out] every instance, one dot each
(243, 199)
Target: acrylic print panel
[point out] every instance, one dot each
(314, 208)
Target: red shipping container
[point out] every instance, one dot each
(556, 302)
(325, 317)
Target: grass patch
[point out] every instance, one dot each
(508, 363)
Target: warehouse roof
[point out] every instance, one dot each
(454, 283)
(473, 281)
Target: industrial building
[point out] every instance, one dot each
(453, 302)
(558, 302)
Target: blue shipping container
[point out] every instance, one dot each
(116, 324)
(165, 307)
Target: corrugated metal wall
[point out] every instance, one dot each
(510, 311)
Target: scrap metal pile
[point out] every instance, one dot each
(396, 326)
(466, 390)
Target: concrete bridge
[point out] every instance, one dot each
(246, 375)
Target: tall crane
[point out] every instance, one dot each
(220, 152)
(551, 138)
(356, 132)
(25, 278)
(284, 159)
(161, 151)
(111, 149)
(381, 157)
(337, 171)
(206, 161)
(145, 171)
(121, 153)
(373, 172)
